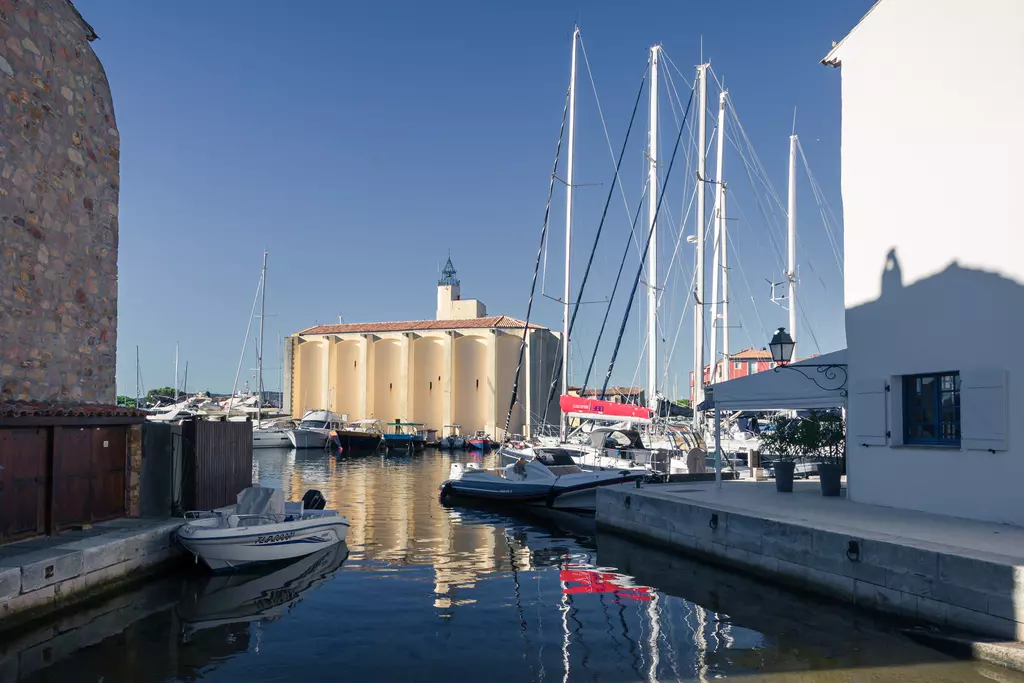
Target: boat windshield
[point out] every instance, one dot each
(312, 424)
(555, 456)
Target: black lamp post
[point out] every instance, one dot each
(782, 346)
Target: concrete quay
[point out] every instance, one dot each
(941, 570)
(46, 574)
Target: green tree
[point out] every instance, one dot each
(684, 402)
(127, 401)
(163, 392)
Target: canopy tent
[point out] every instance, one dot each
(799, 386)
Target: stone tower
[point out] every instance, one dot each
(450, 304)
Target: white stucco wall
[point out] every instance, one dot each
(473, 382)
(507, 361)
(388, 381)
(932, 200)
(429, 382)
(347, 377)
(309, 387)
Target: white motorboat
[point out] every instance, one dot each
(550, 479)
(271, 438)
(315, 429)
(262, 527)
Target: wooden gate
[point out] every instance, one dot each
(23, 482)
(89, 465)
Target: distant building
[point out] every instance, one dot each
(456, 369)
(631, 395)
(741, 364)
(78, 455)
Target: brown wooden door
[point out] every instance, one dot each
(109, 465)
(22, 482)
(72, 471)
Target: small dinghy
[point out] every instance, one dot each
(262, 528)
(550, 479)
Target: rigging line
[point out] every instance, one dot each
(600, 227)
(604, 126)
(750, 292)
(679, 327)
(755, 160)
(615, 287)
(536, 267)
(807, 324)
(761, 208)
(647, 247)
(819, 198)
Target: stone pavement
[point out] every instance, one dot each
(943, 570)
(51, 572)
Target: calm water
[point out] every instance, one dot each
(424, 593)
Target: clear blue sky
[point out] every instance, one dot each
(358, 141)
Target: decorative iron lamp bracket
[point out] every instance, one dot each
(829, 374)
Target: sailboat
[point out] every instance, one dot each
(273, 434)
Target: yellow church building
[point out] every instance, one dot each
(457, 369)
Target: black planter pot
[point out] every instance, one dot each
(831, 478)
(784, 476)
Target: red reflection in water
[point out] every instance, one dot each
(591, 581)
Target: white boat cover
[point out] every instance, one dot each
(260, 500)
(786, 389)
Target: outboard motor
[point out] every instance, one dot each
(313, 500)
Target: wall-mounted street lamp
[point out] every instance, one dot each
(782, 346)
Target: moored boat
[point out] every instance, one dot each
(314, 429)
(262, 527)
(549, 479)
(361, 435)
(481, 441)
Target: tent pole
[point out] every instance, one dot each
(718, 447)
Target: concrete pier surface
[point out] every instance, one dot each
(942, 570)
(44, 574)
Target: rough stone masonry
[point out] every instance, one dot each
(59, 154)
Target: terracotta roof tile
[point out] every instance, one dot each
(752, 354)
(39, 409)
(498, 321)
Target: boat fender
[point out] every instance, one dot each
(446, 491)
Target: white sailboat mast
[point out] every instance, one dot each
(791, 209)
(698, 318)
(719, 235)
(568, 223)
(259, 351)
(652, 254)
(725, 286)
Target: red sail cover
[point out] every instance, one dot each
(580, 404)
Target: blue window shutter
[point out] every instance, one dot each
(984, 410)
(867, 423)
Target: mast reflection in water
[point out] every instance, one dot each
(428, 593)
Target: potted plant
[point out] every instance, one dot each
(781, 443)
(830, 444)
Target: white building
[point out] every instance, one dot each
(456, 369)
(933, 201)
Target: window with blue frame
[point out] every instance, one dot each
(931, 409)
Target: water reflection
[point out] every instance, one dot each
(428, 593)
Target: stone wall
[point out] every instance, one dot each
(59, 165)
(939, 584)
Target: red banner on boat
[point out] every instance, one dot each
(580, 404)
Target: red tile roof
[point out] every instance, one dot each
(752, 354)
(39, 409)
(498, 321)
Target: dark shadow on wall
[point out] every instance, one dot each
(933, 308)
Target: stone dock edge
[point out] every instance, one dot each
(38, 583)
(935, 585)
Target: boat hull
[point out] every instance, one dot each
(223, 548)
(270, 438)
(578, 498)
(359, 441)
(479, 445)
(307, 438)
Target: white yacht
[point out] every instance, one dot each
(314, 429)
